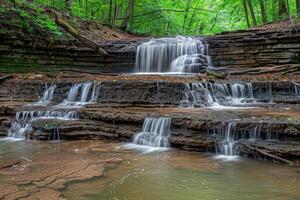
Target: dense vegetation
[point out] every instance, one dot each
(160, 17)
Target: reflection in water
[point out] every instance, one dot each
(172, 174)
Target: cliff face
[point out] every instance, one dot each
(255, 48)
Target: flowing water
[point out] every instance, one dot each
(175, 55)
(155, 133)
(216, 94)
(79, 95)
(169, 175)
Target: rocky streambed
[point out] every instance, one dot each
(264, 113)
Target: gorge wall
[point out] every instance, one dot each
(240, 49)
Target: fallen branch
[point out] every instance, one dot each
(268, 155)
(67, 27)
(6, 77)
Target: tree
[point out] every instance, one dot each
(298, 7)
(282, 8)
(188, 6)
(252, 12)
(129, 14)
(110, 11)
(246, 13)
(69, 4)
(263, 11)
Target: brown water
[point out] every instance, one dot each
(169, 175)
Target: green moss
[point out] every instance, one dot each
(296, 59)
(19, 65)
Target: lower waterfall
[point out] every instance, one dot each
(232, 136)
(79, 95)
(155, 132)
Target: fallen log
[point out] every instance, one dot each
(72, 31)
(268, 155)
(6, 77)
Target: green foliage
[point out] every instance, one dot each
(169, 17)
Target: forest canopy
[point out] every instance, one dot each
(172, 17)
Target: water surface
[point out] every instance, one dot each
(164, 175)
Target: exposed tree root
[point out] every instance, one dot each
(67, 27)
(268, 155)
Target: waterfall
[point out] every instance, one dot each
(23, 120)
(80, 94)
(179, 54)
(47, 95)
(296, 88)
(216, 94)
(227, 145)
(155, 132)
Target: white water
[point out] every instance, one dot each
(80, 94)
(217, 94)
(227, 145)
(175, 55)
(23, 120)
(155, 132)
(227, 148)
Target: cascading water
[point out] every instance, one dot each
(216, 94)
(296, 88)
(76, 99)
(47, 95)
(155, 132)
(228, 147)
(23, 120)
(179, 54)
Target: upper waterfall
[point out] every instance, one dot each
(178, 54)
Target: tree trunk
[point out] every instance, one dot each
(282, 8)
(263, 11)
(69, 4)
(110, 11)
(252, 12)
(188, 5)
(72, 31)
(246, 13)
(298, 7)
(129, 13)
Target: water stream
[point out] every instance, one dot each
(173, 55)
(217, 94)
(165, 175)
(79, 95)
